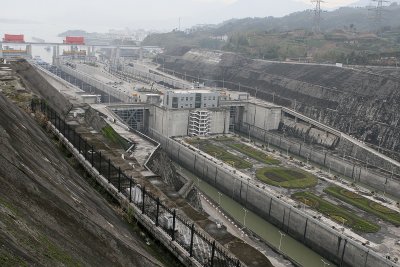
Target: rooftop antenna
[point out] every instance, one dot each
(378, 12)
(317, 15)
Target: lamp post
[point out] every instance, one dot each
(325, 263)
(244, 217)
(343, 224)
(219, 199)
(280, 240)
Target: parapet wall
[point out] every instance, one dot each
(326, 241)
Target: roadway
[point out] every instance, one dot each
(94, 45)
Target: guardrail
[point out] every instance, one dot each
(191, 238)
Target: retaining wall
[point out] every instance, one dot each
(326, 241)
(356, 171)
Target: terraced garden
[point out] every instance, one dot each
(339, 214)
(254, 153)
(286, 177)
(221, 154)
(365, 204)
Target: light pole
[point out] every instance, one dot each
(325, 263)
(219, 199)
(280, 240)
(244, 217)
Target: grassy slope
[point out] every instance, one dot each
(337, 213)
(291, 180)
(365, 204)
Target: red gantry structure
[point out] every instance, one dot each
(74, 40)
(13, 38)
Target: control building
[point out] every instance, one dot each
(178, 99)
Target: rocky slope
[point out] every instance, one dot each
(49, 215)
(364, 103)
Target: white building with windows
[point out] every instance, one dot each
(191, 99)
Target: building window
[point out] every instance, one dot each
(181, 106)
(187, 98)
(209, 98)
(190, 105)
(191, 98)
(182, 98)
(204, 105)
(213, 97)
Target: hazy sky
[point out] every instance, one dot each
(101, 15)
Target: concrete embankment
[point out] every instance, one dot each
(362, 103)
(162, 237)
(355, 170)
(328, 242)
(35, 82)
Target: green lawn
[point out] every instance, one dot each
(254, 153)
(220, 153)
(286, 177)
(365, 204)
(337, 213)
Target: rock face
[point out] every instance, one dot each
(161, 164)
(364, 103)
(49, 215)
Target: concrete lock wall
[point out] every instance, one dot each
(93, 82)
(328, 242)
(175, 122)
(262, 116)
(357, 172)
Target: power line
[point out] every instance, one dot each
(378, 12)
(317, 15)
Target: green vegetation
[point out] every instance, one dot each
(57, 254)
(8, 259)
(114, 137)
(254, 153)
(365, 204)
(347, 37)
(220, 153)
(223, 139)
(288, 178)
(339, 214)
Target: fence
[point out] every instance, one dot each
(192, 239)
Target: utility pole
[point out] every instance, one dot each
(378, 12)
(317, 15)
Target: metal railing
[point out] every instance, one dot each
(194, 240)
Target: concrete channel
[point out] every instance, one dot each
(253, 224)
(309, 230)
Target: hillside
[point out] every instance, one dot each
(363, 103)
(49, 214)
(349, 35)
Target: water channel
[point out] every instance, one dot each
(294, 249)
